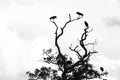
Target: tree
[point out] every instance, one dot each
(70, 70)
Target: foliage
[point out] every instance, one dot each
(70, 70)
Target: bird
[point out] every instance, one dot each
(102, 69)
(53, 17)
(86, 23)
(78, 13)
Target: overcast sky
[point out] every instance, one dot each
(25, 30)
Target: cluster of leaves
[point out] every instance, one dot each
(84, 70)
(44, 73)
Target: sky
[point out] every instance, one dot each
(25, 30)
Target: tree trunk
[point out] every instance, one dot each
(64, 77)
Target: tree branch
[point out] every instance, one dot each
(62, 28)
(83, 38)
(76, 51)
(57, 36)
(93, 43)
(81, 42)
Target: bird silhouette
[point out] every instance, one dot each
(53, 17)
(78, 13)
(86, 23)
(102, 69)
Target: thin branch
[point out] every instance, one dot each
(90, 44)
(69, 17)
(70, 21)
(93, 52)
(56, 27)
(90, 30)
(62, 28)
(93, 43)
(76, 51)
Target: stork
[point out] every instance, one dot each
(53, 17)
(79, 14)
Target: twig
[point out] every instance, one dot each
(76, 51)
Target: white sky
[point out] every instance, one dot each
(25, 30)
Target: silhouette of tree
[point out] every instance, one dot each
(70, 70)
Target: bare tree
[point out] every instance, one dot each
(79, 70)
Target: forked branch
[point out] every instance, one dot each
(87, 53)
(75, 50)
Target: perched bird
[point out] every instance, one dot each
(53, 17)
(102, 69)
(86, 23)
(78, 13)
